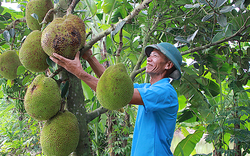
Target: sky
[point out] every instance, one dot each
(11, 5)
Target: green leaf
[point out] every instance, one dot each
(11, 106)
(21, 70)
(1, 9)
(6, 35)
(5, 17)
(108, 6)
(26, 79)
(12, 32)
(118, 28)
(226, 9)
(87, 91)
(34, 16)
(65, 89)
(218, 37)
(219, 3)
(188, 144)
(222, 20)
(50, 62)
(91, 6)
(207, 17)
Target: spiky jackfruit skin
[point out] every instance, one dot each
(115, 88)
(64, 36)
(60, 135)
(42, 99)
(40, 8)
(78, 22)
(31, 54)
(9, 62)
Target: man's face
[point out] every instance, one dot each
(156, 63)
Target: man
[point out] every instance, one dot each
(157, 100)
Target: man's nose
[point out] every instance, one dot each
(149, 59)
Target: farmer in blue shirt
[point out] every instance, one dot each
(157, 100)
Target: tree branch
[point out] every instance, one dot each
(117, 54)
(134, 13)
(11, 25)
(135, 72)
(92, 115)
(71, 7)
(244, 27)
(51, 11)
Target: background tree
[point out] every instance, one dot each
(213, 91)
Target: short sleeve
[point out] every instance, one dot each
(158, 96)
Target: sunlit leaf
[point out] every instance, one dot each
(187, 145)
(88, 93)
(91, 6)
(26, 79)
(21, 70)
(191, 37)
(108, 6)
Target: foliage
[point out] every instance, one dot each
(213, 91)
(19, 133)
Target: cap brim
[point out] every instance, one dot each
(150, 48)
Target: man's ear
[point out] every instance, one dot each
(169, 65)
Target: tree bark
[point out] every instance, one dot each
(75, 104)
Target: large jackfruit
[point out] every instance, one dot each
(115, 88)
(40, 8)
(9, 62)
(31, 54)
(42, 99)
(64, 36)
(60, 135)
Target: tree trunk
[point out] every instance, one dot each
(75, 104)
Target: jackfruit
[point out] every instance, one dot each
(115, 88)
(9, 62)
(60, 135)
(42, 99)
(31, 53)
(64, 36)
(40, 8)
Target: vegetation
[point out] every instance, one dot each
(213, 91)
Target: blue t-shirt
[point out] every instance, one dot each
(156, 119)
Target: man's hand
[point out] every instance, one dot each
(72, 66)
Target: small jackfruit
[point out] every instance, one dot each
(40, 8)
(64, 36)
(115, 88)
(31, 53)
(9, 62)
(42, 99)
(60, 135)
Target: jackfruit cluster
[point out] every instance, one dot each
(42, 101)
(115, 88)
